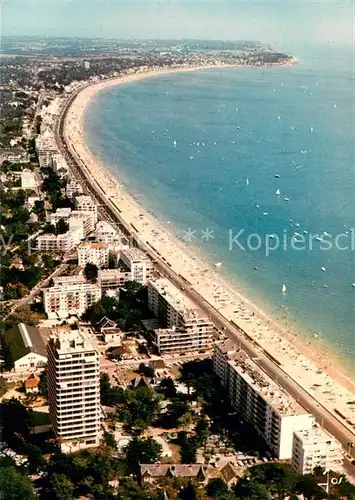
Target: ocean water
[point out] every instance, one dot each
(209, 150)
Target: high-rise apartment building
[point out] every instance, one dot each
(73, 372)
(259, 400)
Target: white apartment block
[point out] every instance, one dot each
(274, 414)
(73, 372)
(28, 179)
(93, 253)
(60, 213)
(112, 278)
(315, 447)
(140, 266)
(106, 233)
(86, 204)
(84, 220)
(59, 165)
(59, 243)
(46, 147)
(175, 310)
(70, 295)
(73, 188)
(171, 340)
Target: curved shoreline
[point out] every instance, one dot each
(289, 350)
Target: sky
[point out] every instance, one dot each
(281, 22)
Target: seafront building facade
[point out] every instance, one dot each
(59, 243)
(112, 278)
(70, 295)
(93, 253)
(140, 266)
(86, 204)
(73, 372)
(274, 414)
(315, 447)
(185, 324)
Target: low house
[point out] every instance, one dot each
(105, 323)
(157, 364)
(149, 473)
(112, 335)
(26, 348)
(31, 384)
(141, 382)
(231, 474)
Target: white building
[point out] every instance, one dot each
(70, 295)
(86, 204)
(74, 389)
(60, 213)
(46, 147)
(106, 233)
(59, 243)
(26, 347)
(171, 340)
(73, 188)
(274, 414)
(315, 447)
(179, 314)
(28, 179)
(140, 266)
(83, 220)
(112, 278)
(93, 253)
(59, 165)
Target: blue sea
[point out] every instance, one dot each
(211, 150)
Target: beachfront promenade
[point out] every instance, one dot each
(110, 207)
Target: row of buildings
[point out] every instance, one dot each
(287, 428)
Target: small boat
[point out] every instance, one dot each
(284, 289)
(279, 117)
(277, 176)
(319, 239)
(247, 182)
(323, 268)
(175, 144)
(265, 213)
(325, 286)
(311, 129)
(218, 264)
(286, 199)
(353, 284)
(278, 192)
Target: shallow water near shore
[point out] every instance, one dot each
(209, 150)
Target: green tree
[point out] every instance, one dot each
(62, 226)
(62, 487)
(140, 408)
(36, 461)
(3, 386)
(90, 272)
(15, 486)
(167, 386)
(188, 448)
(14, 421)
(217, 488)
(145, 451)
(202, 430)
(247, 489)
(308, 487)
(189, 492)
(146, 370)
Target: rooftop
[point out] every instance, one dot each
(134, 254)
(71, 342)
(271, 392)
(177, 299)
(23, 339)
(316, 435)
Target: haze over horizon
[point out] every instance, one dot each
(281, 23)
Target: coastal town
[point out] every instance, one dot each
(130, 367)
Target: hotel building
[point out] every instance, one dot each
(73, 188)
(70, 295)
(73, 372)
(93, 253)
(186, 326)
(112, 278)
(86, 204)
(315, 447)
(59, 243)
(140, 266)
(46, 147)
(274, 414)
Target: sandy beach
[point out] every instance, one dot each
(314, 369)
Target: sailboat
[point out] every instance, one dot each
(284, 288)
(278, 192)
(247, 182)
